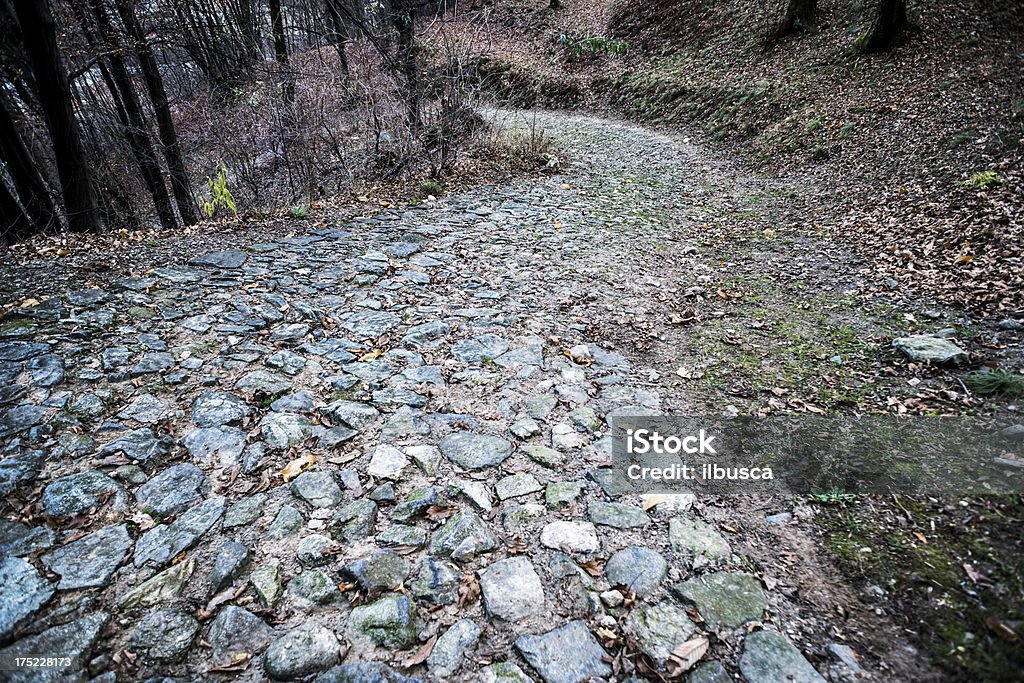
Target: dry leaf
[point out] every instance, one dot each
(686, 655)
(370, 355)
(298, 466)
(421, 654)
(469, 589)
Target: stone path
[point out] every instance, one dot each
(317, 456)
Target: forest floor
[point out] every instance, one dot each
(419, 366)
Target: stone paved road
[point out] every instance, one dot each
(324, 452)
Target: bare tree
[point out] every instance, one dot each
(39, 36)
(800, 16)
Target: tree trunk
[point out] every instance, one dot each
(340, 37)
(281, 52)
(136, 128)
(24, 172)
(800, 16)
(39, 34)
(889, 23)
(165, 124)
(404, 23)
(16, 225)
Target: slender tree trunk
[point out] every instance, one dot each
(16, 225)
(889, 23)
(403, 21)
(340, 36)
(165, 124)
(281, 52)
(136, 128)
(39, 34)
(24, 171)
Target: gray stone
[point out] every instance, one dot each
(381, 570)
(22, 592)
(74, 639)
(526, 355)
(417, 503)
(709, 672)
(298, 402)
(449, 650)
(511, 589)
(315, 550)
(165, 586)
(570, 537)
(140, 445)
(229, 562)
(284, 430)
(543, 455)
(245, 511)
(618, 515)
(305, 650)
(228, 260)
(768, 656)
(236, 630)
(562, 493)
(47, 371)
(164, 542)
(91, 560)
(725, 598)
(75, 493)
(19, 469)
(437, 582)
(516, 485)
(391, 622)
(695, 538)
(641, 569)
(263, 382)
(427, 458)
(354, 520)
(164, 636)
(146, 409)
(21, 350)
(352, 414)
(525, 428)
(364, 672)
(151, 363)
(923, 348)
(287, 362)
(475, 451)
(370, 324)
(503, 672)
(402, 249)
(398, 397)
(17, 539)
(266, 581)
(422, 335)
(566, 437)
(569, 654)
(286, 522)
(659, 629)
(217, 408)
(291, 332)
(173, 490)
(315, 586)
(539, 407)
(387, 462)
(317, 488)
(463, 537)
(480, 348)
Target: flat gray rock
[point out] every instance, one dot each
(90, 561)
(22, 592)
(140, 445)
(165, 635)
(216, 408)
(284, 430)
(263, 382)
(390, 622)
(17, 539)
(370, 324)
(618, 515)
(511, 589)
(218, 446)
(74, 639)
(227, 260)
(379, 571)
(463, 537)
(727, 598)
(305, 650)
(75, 493)
(162, 543)
(659, 629)
(640, 569)
(352, 414)
(768, 657)
(173, 490)
(319, 489)
(569, 654)
(923, 348)
(475, 451)
(449, 650)
(235, 630)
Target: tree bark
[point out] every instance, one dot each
(39, 34)
(340, 37)
(889, 23)
(165, 124)
(136, 128)
(404, 23)
(281, 52)
(800, 16)
(16, 225)
(24, 172)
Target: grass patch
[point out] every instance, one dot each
(996, 382)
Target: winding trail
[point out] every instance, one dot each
(420, 357)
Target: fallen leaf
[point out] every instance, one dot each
(421, 654)
(370, 355)
(298, 466)
(469, 589)
(686, 655)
